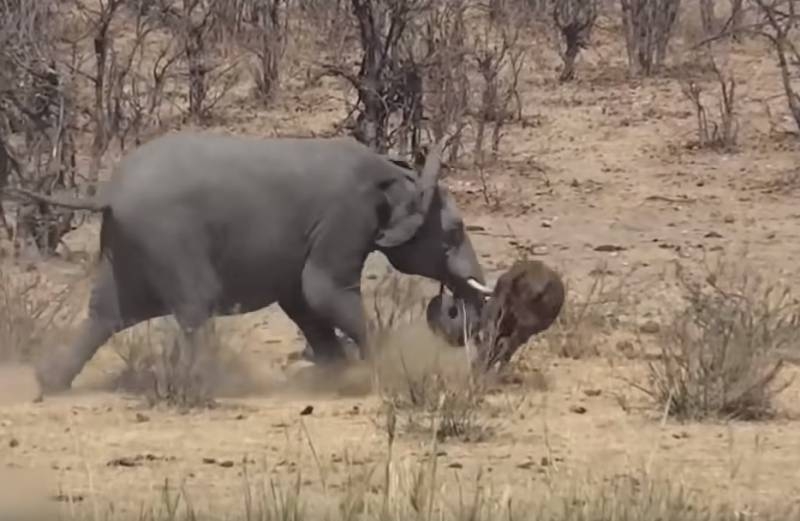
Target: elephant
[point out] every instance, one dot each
(196, 225)
(447, 318)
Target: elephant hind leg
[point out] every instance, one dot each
(112, 308)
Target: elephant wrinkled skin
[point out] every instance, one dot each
(195, 225)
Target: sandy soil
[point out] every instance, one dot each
(583, 177)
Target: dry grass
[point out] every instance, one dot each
(159, 364)
(721, 355)
(574, 334)
(417, 489)
(29, 317)
(418, 374)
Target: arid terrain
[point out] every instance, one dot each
(600, 180)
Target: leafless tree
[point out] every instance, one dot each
(648, 28)
(779, 27)
(196, 23)
(447, 95)
(388, 80)
(263, 34)
(99, 17)
(708, 15)
(574, 20)
(36, 98)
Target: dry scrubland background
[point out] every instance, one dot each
(664, 391)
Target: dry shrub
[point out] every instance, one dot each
(396, 301)
(720, 132)
(29, 315)
(159, 363)
(721, 354)
(416, 371)
(576, 331)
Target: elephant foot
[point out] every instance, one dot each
(51, 378)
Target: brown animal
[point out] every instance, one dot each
(526, 300)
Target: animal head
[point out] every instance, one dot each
(421, 230)
(527, 300)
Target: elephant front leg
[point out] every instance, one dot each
(320, 336)
(337, 300)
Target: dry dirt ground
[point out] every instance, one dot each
(579, 174)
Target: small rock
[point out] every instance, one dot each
(142, 418)
(226, 464)
(578, 409)
(526, 465)
(729, 219)
(626, 348)
(713, 235)
(456, 465)
(680, 435)
(64, 498)
(123, 462)
(240, 417)
(609, 248)
(592, 392)
(209, 461)
(307, 410)
(547, 224)
(545, 461)
(650, 327)
(13, 443)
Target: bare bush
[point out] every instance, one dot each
(648, 28)
(29, 317)
(389, 78)
(574, 20)
(575, 332)
(415, 371)
(720, 356)
(719, 133)
(708, 15)
(37, 100)
(166, 368)
(499, 58)
(396, 302)
(447, 93)
(99, 17)
(779, 27)
(260, 27)
(208, 79)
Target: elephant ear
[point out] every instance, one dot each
(399, 212)
(405, 201)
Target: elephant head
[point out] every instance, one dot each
(421, 232)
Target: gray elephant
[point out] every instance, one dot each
(449, 318)
(195, 225)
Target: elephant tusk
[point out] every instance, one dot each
(474, 284)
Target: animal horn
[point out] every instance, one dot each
(474, 284)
